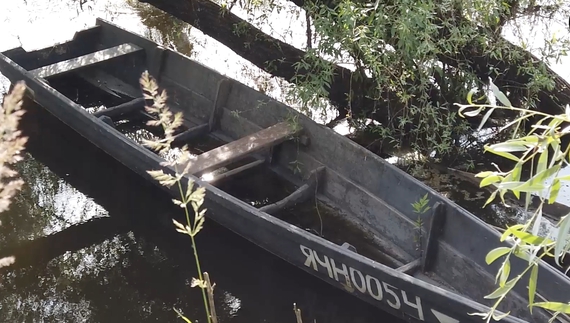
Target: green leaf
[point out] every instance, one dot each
(542, 161)
(517, 172)
(491, 198)
(500, 95)
(532, 285)
(490, 180)
(503, 290)
(510, 185)
(536, 183)
(485, 174)
(472, 113)
(495, 254)
(504, 154)
(530, 238)
(554, 191)
(485, 117)
(505, 273)
(554, 306)
(564, 178)
(510, 230)
(521, 253)
(182, 316)
(561, 238)
(469, 95)
(508, 146)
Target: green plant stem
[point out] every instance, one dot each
(195, 251)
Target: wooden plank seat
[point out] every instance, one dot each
(236, 150)
(85, 60)
(122, 109)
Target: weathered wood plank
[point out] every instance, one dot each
(236, 170)
(240, 148)
(193, 132)
(222, 93)
(85, 60)
(437, 222)
(109, 83)
(300, 195)
(122, 109)
(410, 267)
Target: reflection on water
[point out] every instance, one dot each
(163, 28)
(106, 251)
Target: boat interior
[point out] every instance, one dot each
(239, 136)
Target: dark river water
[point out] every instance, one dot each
(91, 247)
(93, 241)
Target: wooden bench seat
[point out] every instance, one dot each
(236, 150)
(85, 60)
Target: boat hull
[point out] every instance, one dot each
(384, 287)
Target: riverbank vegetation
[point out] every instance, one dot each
(393, 70)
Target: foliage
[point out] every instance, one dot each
(413, 60)
(11, 144)
(542, 147)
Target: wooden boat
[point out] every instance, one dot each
(442, 282)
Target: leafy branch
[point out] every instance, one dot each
(542, 147)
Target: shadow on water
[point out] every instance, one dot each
(105, 250)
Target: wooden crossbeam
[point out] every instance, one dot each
(190, 133)
(122, 109)
(236, 150)
(410, 267)
(236, 170)
(85, 60)
(437, 223)
(300, 195)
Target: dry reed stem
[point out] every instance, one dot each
(11, 145)
(297, 313)
(210, 290)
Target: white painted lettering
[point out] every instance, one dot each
(379, 295)
(417, 305)
(325, 263)
(356, 280)
(310, 261)
(397, 303)
(360, 286)
(336, 271)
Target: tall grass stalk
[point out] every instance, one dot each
(170, 122)
(11, 144)
(195, 197)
